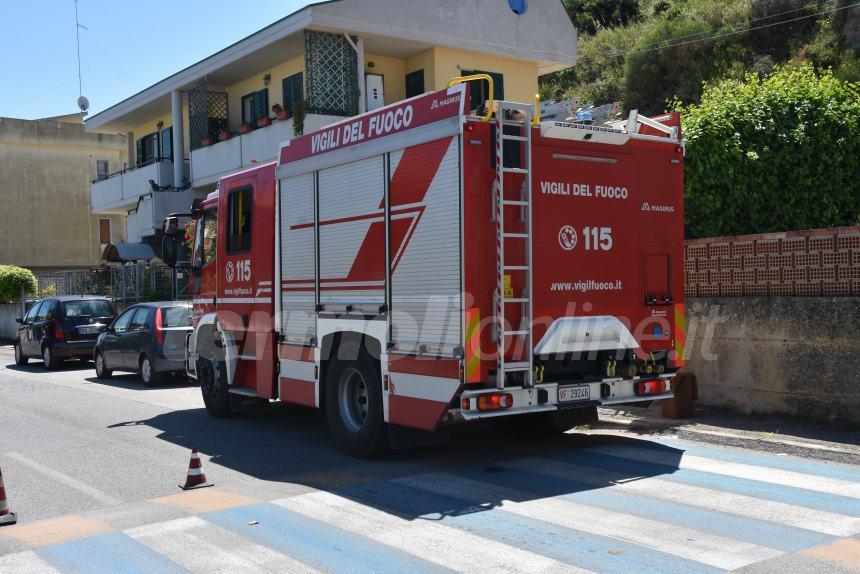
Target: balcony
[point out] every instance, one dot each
(147, 218)
(120, 191)
(209, 163)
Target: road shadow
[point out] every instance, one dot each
(291, 444)
(133, 382)
(37, 366)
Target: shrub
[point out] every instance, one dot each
(12, 280)
(773, 154)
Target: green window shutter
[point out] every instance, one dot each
(167, 143)
(261, 104)
(139, 144)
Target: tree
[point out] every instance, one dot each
(589, 16)
(13, 280)
(777, 153)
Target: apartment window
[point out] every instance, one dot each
(147, 148)
(415, 83)
(167, 143)
(240, 209)
(102, 169)
(293, 91)
(104, 230)
(255, 106)
(480, 89)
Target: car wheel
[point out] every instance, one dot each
(102, 371)
(213, 385)
(353, 402)
(51, 362)
(20, 359)
(147, 372)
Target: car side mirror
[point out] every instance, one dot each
(19, 320)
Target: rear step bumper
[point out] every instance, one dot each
(547, 397)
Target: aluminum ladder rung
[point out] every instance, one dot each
(515, 202)
(512, 123)
(515, 299)
(518, 366)
(515, 267)
(516, 333)
(514, 170)
(516, 235)
(515, 138)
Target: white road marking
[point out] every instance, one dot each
(444, 545)
(25, 563)
(67, 480)
(680, 541)
(201, 546)
(789, 478)
(717, 500)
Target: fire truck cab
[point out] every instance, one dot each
(420, 266)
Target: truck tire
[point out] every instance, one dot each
(353, 404)
(147, 373)
(213, 385)
(20, 359)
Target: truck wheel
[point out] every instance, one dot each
(213, 385)
(102, 371)
(147, 373)
(20, 359)
(51, 362)
(353, 403)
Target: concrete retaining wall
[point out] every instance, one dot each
(793, 355)
(8, 314)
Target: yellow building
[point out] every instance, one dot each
(46, 169)
(339, 58)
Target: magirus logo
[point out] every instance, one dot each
(659, 208)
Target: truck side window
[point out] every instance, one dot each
(210, 235)
(240, 210)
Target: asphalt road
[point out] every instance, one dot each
(91, 468)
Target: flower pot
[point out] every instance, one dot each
(207, 141)
(283, 115)
(264, 121)
(223, 135)
(245, 128)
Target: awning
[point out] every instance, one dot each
(124, 252)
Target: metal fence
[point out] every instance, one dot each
(133, 282)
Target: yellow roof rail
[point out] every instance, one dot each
(490, 102)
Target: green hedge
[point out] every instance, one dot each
(13, 280)
(774, 154)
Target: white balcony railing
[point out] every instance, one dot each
(151, 211)
(209, 163)
(121, 191)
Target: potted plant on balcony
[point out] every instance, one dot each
(223, 134)
(245, 127)
(264, 121)
(301, 110)
(207, 140)
(280, 112)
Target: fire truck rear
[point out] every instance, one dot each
(419, 266)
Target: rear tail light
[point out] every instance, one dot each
(159, 327)
(58, 331)
(650, 387)
(489, 402)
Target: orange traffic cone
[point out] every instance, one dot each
(7, 517)
(195, 478)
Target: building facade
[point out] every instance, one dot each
(333, 59)
(46, 170)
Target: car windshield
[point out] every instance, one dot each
(176, 316)
(87, 308)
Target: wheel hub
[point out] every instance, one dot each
(352, 399)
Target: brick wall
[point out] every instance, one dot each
(800, 263)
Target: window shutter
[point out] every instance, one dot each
(139, 145)
(261, 104)
(167, 143)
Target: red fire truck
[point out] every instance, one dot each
(419, 266)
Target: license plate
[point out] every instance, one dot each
(89, 330)
(574, 393)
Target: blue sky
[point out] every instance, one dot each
(127, 46)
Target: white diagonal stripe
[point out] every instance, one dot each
(69, 481)
(738, 470)
(201, 546)
(444, 545)
(679, 541)
(25, 563)
(717, 500)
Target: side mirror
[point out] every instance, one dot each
(19, 320)
(169, 249)
(171, 225)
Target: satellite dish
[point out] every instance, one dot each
(83, 103)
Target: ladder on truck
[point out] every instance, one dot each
(520, 336)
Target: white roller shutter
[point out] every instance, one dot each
(298, 298)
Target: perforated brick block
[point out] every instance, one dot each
(767, 275)
(718, 277)
(708, 264)
(822, 274)
(849, 241)
(755, 261)
(743, 276)
(848, 273)
(793, 245)
(833, 258)
(809, 288)
(719, 250)
(690, 290)
(794, 274)
(780, 260)
(780, 288)
(836, 288)
(708, 290)
(731, 290)
(743, 248)
(766, 246)
(807, 259)
(731, 262)
(755, 289)
(821, 243)
(696, 250)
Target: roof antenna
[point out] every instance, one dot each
(83, 103)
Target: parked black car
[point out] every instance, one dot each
(148, 338)
(59, 328)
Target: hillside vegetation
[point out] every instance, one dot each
(768, 91)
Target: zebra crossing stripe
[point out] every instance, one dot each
(201, 546)
(444, 545)
(779, 477)
(26, 563)
(719, 501)
(718, 551)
